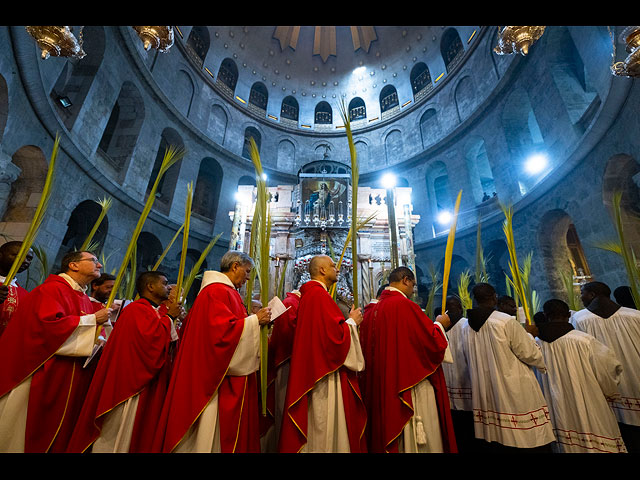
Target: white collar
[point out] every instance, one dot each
(213, 276)
(321, 283)
(394, 289)
(13, 282)
(75, 285)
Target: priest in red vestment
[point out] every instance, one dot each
(280, 344)
(212, 401)
(42, 352)
(410, 409)
(324, 411)
(128, 388)
(12, 295)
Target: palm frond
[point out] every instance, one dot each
(463, 291)
(171, 156)
(105, 205)
(448, 254)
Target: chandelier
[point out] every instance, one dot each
(517, 39)
(57, 41)
(160, 38)
(630, 67)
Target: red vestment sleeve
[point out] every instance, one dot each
(46, 319)
(321, 343)
(405, 347)
(134, 359)
(209, 338)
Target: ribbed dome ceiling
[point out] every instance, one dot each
(327, 62)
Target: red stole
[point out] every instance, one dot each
(208, 340)
(135, 360)
(46, 319)
(16, 297)
(407, 347)
(321, 343)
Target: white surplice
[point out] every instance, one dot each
(621, 333)
(14, 405)
(456, 373)
(204, 434)
(508, 404)
(582, 373)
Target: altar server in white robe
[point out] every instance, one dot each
(619, 329)
(457, 375)
(508, 405)
(582, 375)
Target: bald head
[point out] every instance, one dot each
(323, 268)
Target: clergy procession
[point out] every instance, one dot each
(148, 376)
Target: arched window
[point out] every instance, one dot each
(480, 173)
(420, 80)
(167, 184)
(121, 132)
(451, 48)
(388, 98)
(251, 132)
(429, 127)
(198, 44)
(357, 109)
(207, 190)
(81, 221)
(73, 84)
(148, 250)
(259, 96)
(228, 75)
(323, 114)
(289, 108)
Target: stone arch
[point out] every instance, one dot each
(217, 124)
(451, 48)
(497, 258)
(420, 79)
(167, 185)
(206, 195)
(479, 168)
(259, 96)
(81, 221)
(251, 132)
(393, 147)
(148, 251)
(437, 179)
(74, 82)
(198, 44)
(622, 172)
(430, 129)
(122, 130)
(464, 98)
(286, 159)
(228, 74)
(185, 90)
(560, 249)
(25, 191)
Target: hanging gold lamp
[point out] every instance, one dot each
(57, 41)
(630, 67)
(160, 38)
(517, 39)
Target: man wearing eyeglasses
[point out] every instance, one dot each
(42, 352)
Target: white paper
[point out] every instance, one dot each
(277, 308)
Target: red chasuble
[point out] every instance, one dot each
(280, 345)
(135, 360)
(46, 319)
(406, 347)
(209, 337)
(366, 332)
(16, 297)
(320, 347)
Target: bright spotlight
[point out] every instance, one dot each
(444, 217)
(389, 180)
(264, 176)
(536, 163)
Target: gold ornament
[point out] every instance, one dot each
(160, 38)
(57, 41)
(517, 39)
(630, 67)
